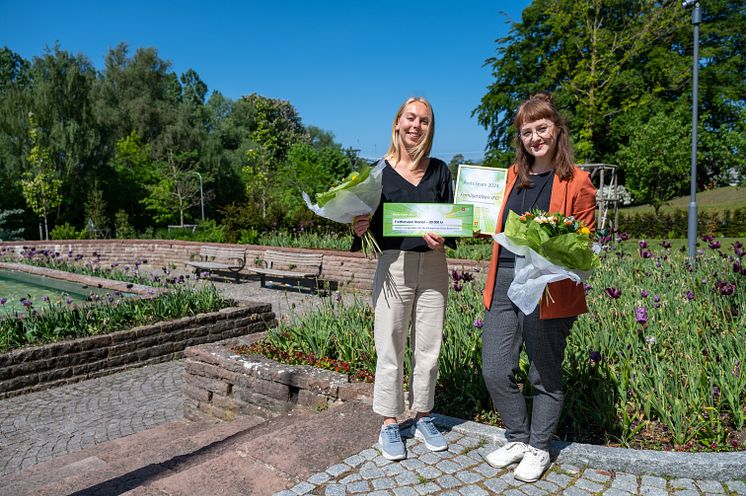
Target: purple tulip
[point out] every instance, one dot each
(613, 293)
(337, 296)
(595, 357)
(641, 315)
(69, 300)
(455, 275)
(715, 392)
(587, 287)
(3, 301)
(714, 245)
(457, 286)
(725, 288)
(478, 323)
(644, 293)
(666, 244)
(45, 299)
(643, 244)
(707, 238)
(690, 295)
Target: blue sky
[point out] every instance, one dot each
(345, 66)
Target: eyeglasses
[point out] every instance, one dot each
(542, 131)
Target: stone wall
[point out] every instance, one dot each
(344, 268)
(42, 367)
(221, 384)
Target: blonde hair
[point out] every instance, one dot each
(422, 150)
(540, 106)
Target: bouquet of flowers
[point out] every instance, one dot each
(357, 194)
(549, 248)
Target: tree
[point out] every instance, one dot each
(95, 213)
(7, 234)
(605, 59)
(40, 184)
(176, 189)
(655, 164)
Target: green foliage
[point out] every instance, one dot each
(676, 373)
(675, 223)
(176, 188)
(5, 233)
(611, 61)
(656, 161)
(95, 211)
(122, 227)
(64, 231)
(56, 320)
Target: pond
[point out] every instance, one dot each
(17, 286)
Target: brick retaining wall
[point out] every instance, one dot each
(42, 367)
(344, 268)
(221, 384)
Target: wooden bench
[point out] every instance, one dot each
(279, 265)
(220, 259)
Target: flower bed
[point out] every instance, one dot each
(656, 363)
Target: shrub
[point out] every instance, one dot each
(64, 231)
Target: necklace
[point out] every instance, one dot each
(547, 180)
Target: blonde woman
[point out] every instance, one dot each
(410, 286)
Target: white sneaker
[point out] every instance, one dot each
(506, 455)
(535, 462)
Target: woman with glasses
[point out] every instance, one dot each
(543, 177)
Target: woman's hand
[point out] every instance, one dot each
(360, 224)
(434, 242)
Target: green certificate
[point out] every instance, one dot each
(417, 219)
(483, 187)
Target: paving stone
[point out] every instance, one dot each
(652, 491)
(532, 490)
(430, 458)
(448, 482)
(547, 486)
(412, 463)
(596, 475)
(710, 486)
(465, 461)
(469, 477)
(456, 448)
(452, 436)
(496, 485)
(682, 484)
(575, 491)
(319, 478)
(513, 492)
(285, 493)
(427, 488)
(469, 442)
(652, 481)
(448, 466)
(302, 488)
(561, 480)
(487, 470)
(449, 493)
(379, 493)
(588, 485)
(473, 491)
(405, 491)
(338, 469)
(570, 469)
(615, 492)
(358, 487)
(353, 477)
(736, 486)
(335, 490)
(418, 449)
(368, 454)
(383, 483)
(393, 469)
(355, 460)
(686, 492)
(429, 472)
(380, 461)
(371, 473)
(407, 478)
(625, 482)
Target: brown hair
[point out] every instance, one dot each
(540, 106)
(423, 148)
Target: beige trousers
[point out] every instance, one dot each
(409, 287)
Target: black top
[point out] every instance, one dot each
(436, 186)
(523, 200)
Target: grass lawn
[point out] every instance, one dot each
(727, 198)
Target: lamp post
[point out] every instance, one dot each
(692, 227)
(201, 195)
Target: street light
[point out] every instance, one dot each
(201, 195)
(692, 228)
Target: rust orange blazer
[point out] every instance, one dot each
(576, 197)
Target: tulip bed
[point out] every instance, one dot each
(657, 362)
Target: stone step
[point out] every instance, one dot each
(279, 459)
(125, 463)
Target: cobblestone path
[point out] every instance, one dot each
(462, 471)
(40, 426)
